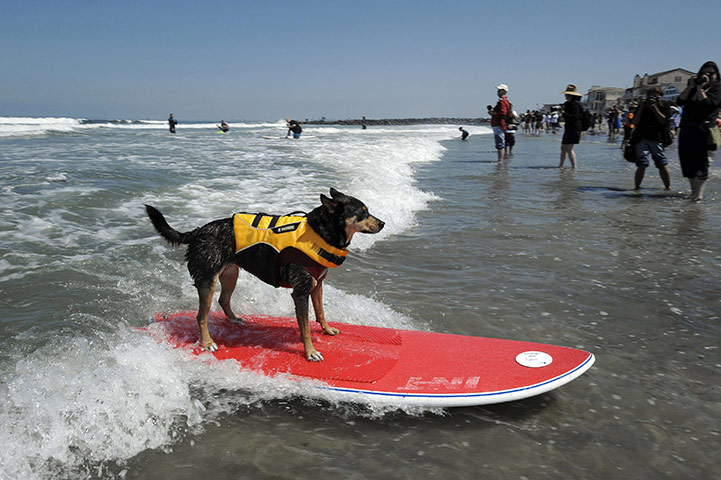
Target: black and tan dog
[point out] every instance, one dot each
(289, 251)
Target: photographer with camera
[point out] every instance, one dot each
(701, 102)
(651, 134)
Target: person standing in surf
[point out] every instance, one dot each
(498, 114)
(572, 112)
(224, 127)
(294, 127)
(172, 122)
(510, 133)
(464, 133)
(650, 136)
(701, 102)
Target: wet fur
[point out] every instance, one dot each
(211, 258)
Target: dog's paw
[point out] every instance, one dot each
(331, 331)
(314, 356)
(211, 347)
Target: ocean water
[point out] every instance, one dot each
(522, 250)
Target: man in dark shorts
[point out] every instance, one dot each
(510, 133)
(294, 127)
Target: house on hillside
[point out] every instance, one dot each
(672, 82)
(599, 99)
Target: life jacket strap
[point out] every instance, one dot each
(335, 259)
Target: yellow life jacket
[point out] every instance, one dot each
(260, 239)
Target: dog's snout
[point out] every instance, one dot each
(381, 224)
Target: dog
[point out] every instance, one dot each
(289, 251)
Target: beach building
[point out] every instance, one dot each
(672, 82)
(550, 107)
(599, 99)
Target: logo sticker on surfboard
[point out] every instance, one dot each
(534, 359)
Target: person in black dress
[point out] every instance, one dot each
(572, 112)
(701, 102)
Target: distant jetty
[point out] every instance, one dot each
(403, 121)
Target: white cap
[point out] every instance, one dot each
(502, 86)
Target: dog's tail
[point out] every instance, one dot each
(173, 236)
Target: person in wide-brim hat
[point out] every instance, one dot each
(572, 90)
(572, 112)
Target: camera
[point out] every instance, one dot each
(701, 79)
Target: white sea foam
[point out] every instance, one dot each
(82, 403)
(17, 126)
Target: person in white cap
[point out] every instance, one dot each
(499, 115)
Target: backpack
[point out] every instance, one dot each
(586, 120)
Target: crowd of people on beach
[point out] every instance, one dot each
(648, 127)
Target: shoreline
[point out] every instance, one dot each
(403, 121)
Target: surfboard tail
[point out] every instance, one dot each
(161, 225)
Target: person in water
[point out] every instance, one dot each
(701, 102)
(572, 112)
(172, 122)
(294, 127)
(464, 133)
(498, 115)
(224, 127)
(650, 136)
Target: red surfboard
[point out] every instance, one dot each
(400, 367)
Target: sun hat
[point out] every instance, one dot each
(571, 89)
(502, 86)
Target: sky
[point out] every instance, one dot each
(265, 60)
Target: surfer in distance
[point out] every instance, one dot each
(293, 126)
(224, 127)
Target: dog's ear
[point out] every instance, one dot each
(329, 204)
(337, 195)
